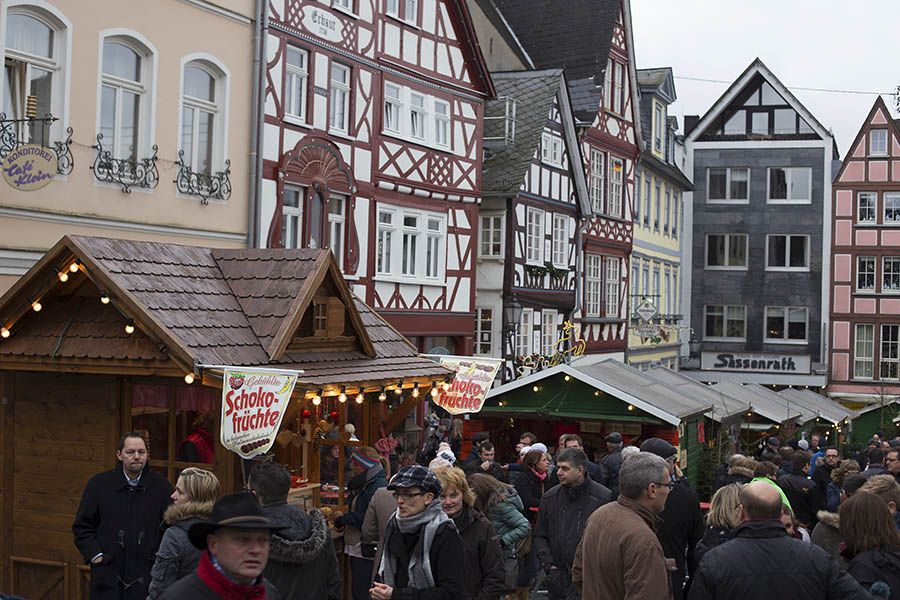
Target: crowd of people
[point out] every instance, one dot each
(794, 521)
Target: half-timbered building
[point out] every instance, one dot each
(372, 147)
(865, 261)
(535, 197)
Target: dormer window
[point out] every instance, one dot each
(320, 318)
(878, 142)
(659, 126)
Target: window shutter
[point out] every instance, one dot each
(335, 319)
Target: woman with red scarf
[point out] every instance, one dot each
(531, 485)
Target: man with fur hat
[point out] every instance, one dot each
(235, 545)
(302, 562)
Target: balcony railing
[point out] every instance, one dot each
(205, 185)
(126, 172)
(13, 135)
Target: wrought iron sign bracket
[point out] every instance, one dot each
(126, 172)
(216, 185)
(10, 139)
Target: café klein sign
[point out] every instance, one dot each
(29, 167)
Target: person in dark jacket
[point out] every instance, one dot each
(486, 463)
(722, 519)
(822, 475)
(501, 504)
(422, 549)
(563, 515)
(839, 475)
(302, 562)
(195, 493)
(862, 457)
(483, 557)
(530, 485)
(738, 469)
(761, 561)
(804, 496)
(477, 439)
(682, 520)
(117, 526)
(234, 545)
(611, 463)
(872, 542)
(876, 464)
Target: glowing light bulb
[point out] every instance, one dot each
(74, 267)
(189, 378)
(382, 396)
(343, 396)
(415, 392)
(4, 332)
(104, 298)
(63, 276)
(129, 327)
(360, 398)
(535, 389)
(317, 400)
(36, 306)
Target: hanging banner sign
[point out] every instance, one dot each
(253, 405)
(30, 167)
(474, 377)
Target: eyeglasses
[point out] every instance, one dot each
(406, 497)
(667, 484)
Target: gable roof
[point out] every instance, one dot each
(474, 48)
(757, 67)
(194, 306)
(893, 125)
(823, 407)
(500, 25)
(760, 400)
(659, 80)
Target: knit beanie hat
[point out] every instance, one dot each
(446, 453)
(363, 461)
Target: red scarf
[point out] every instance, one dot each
(541, 476)
(224, 587)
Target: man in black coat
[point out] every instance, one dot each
(682, 520)
(486, 463)
(803, 494)
(611, 463)
(117, 524)
(762, 561)
(562, 518)
(822, 475)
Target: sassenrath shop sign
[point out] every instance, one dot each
(470, 385)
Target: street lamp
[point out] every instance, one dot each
(512, 315)
(694, 345)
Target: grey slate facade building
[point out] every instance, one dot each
(760, 215)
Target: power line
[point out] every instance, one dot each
(805, 89)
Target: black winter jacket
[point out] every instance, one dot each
(531, 490)
(761, 561)
(302, 562)
(496, 470)
(123, 523)
(177, 557)
(680, 530)
(609, 469)
(485, 570)
(193, 588)
(875, 565)
(712, 537)
(446, 564)
(561, 521)
(805, 498)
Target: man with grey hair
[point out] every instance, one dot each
(619, 555)
(565, 509)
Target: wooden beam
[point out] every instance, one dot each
(148, 369)
(7, 406)
(400, 413)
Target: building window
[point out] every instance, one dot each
(890, 358)
(593, 276)
(656, 289)
(411, 244)
(878, 142)
(727, 185)
(659, 126)
(295, 79)
(320, 318)
(635, 277)
(891, 207)
(524, 335)
(658, 206)
(434, 243)
(668, 299)
(442, 123)
(676, 212)
(790, 185)
(890, 274)
(612, 284)
(866, 207)
(336, 220)
(548, 331)
(647, 192)
(392, 7)
(491, 236)
(865, 273)
(418, 115)
(484, 333)
(668, 212)
(598, 166)
(551, 149)
(339, 115)
(787, 252)
(645, 280)
(410, 237)
(726, 250)
(786, 324)
(534, 236)
(345, 4)
(393, 105)
(200, 117)
(725, 322)
(124, 94)
(560, 240)
(385, 242)
(411, 9)
(616, 175)
(864, 352)
(637, 199)
(614, 87)
(292, 217)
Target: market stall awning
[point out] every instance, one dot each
(763, 401)
(722, 405)
(827, 409)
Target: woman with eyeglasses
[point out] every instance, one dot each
(195, 493)
(423, 552)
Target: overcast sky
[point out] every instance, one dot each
(806, 43)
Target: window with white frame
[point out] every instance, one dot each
(725, 322)
(676, 212)
(878, 142)
(891, 207)
(787, 252)
(34, 67)
(410, 236)
(593, 289)
(534, 236)
(637, 199)
(548, 332)
(890, 274)
(645, 280)
(726, 250)
(393, 107)
(668, 301)
(292, 217)
(442, 123)
(658, 205)
(790, 185)
(647, 200)
(201, 107)
(865, 273)
(786, 323)
(598, 167)
(339, 103)
(296, 67)
(125, 97)
(676, 303)
(727, 184)
(491, 236)
(864, 351)
(411, 244)
(659, 126)
(345, 4)
(616, 176)
(418, 116)
(551, 149)
(890, 356)
(434, 244)
(656, 289)
(392, 7)
(866, 207)
(619, 88)
(635, 276)
(612, 285)
(484, 331)
(386, 227)
(560, 242)
(336, 206)
(667, 211)
(524, 337)
(410, 10)
(614, 86)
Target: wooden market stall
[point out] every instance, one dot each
(106, 336)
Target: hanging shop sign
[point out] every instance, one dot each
(253, 405)
(474, 377)
(30, 167)
(755, 363)
(646, 310)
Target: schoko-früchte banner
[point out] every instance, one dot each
(474, 376)
(253, 405)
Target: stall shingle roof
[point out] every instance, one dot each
(822, 406)
(723, 406)
(764, 401)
